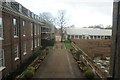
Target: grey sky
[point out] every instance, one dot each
(80, 12)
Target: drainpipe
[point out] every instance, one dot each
(20, 40)
(33, 37)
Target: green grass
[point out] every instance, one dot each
(68, 45)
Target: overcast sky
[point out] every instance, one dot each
(80, 12)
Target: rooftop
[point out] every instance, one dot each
(88, 31)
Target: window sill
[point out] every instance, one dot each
(31, 49)
(1, 39)
(24, 35)
(25, 53)
(1, 68)
(16, 58)
(15, 36)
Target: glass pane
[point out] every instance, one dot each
(1, 29)
(0, 22)
(16, 51)
(1, 58)
(0, 32)
(23, 23)
(0, 63)
(14, 22)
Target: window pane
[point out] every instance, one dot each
(24, 46)
(1, 29)
(35, 29)
(38, 41)
(14, 22)
(1, 58)
(23, 23)
(15, 27)
(31, 28)
(16, 51)
(23, 27)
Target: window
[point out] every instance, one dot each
(38, 29)
(32, 45)
(38, 42)
(28, 13)
(32, 15)
(23, 28)
(15, 27)
(31, 29)
(2, 62)
(24, 48)
(16, 52)
(35, 29)
(20, 8)
(1, 28)
(35, 43)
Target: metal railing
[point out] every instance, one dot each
(90, 63)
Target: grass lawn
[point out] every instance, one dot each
(68, 45)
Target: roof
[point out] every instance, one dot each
(88, 31)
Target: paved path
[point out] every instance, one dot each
(58, 64)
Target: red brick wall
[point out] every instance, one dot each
(10, 41)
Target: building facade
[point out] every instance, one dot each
(88, 33)
(20, 35)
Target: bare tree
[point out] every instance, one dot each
(62, 22)
(47, 18)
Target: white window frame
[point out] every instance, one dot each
(15, 28)
(35, 29)
(24, 48)
(23, 26)
(38, 30)
(20, 8)
(31, 29)
(17, 52)
(1, 27)
(2, 60)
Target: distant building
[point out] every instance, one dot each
(88, 33)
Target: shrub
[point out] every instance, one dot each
(72, 50)
(29, 72)
(77, 54)
(89, 74)
(31, 68)
(85, 69)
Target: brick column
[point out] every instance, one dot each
(115, 54)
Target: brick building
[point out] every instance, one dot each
(20, 35)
